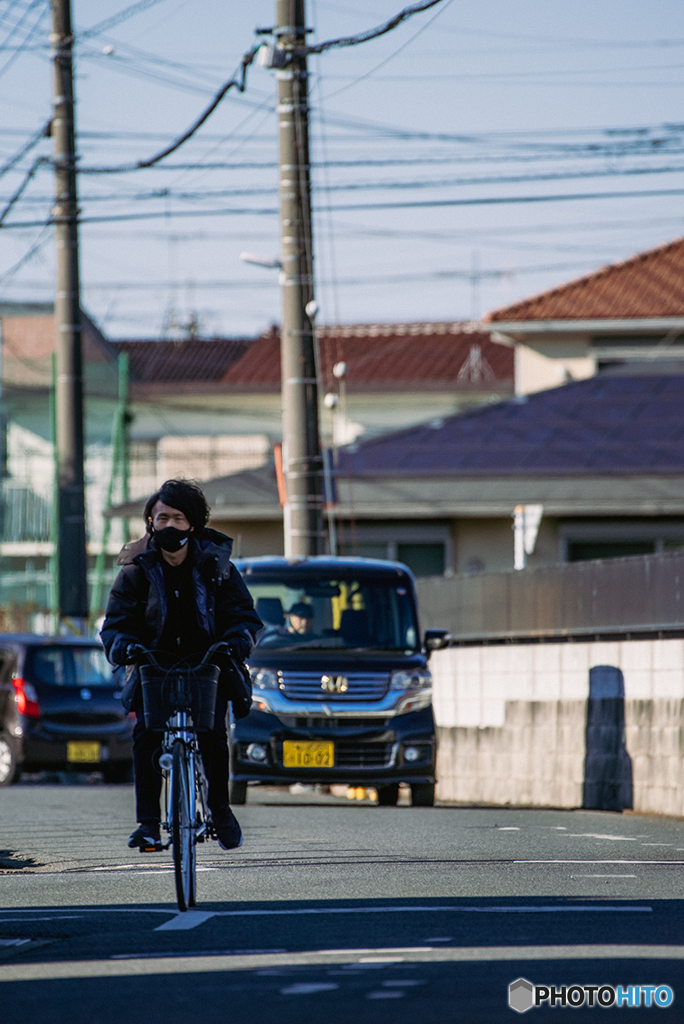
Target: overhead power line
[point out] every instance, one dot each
(33, 141)
(351, 207)
(238, 81)
(373, 33)
(362, 186)
(370, 279)
(17, 195)
(116, 19)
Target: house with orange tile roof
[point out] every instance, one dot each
(633, 310)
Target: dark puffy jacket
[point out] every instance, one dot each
(136, 610)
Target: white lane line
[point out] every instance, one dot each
(305, 911)
(603, 876)
(375, 960)
(91, 910)
(507, 828)
(656, 844)
(308, 988)
(14, 942)
(602, 835)
(184, 922)
(627, 863)
(402, 983)
(195, 952)
(441, 938)
(385, 994)
(284, 961)
(30, 920)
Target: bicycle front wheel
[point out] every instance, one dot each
(183, 825)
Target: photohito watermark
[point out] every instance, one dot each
(523, 995)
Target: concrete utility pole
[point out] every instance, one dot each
(302, 461)
(71, 535)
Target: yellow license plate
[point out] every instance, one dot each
(84, 752)
(308, 754)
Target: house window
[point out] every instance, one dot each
(583, 550)
(580, 541)
(425, 549)
(422, 559)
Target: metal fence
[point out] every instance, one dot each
(636, 595)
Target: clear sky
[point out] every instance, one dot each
(469, 104)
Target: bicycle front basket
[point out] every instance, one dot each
(168, 691)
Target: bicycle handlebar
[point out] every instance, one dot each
(138, 650)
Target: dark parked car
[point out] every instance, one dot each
(342, 692)
(60, 709)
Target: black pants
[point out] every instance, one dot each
(148, 778)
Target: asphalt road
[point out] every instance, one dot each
(332, 911)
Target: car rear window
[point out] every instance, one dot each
(70, 666)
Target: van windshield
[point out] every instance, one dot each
(363, 612)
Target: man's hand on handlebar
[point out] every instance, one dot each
(238, 648)
(134, 653)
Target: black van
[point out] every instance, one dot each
(341, 688)
(60, 709)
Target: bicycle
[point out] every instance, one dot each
(180, 701)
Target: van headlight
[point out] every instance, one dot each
(264, 679)
(418, 679)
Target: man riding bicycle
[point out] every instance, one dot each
(178, 593)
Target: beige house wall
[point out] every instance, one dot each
(549, 360)
(252, 538)
(487, 544)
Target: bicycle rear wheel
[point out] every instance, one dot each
(183, 825)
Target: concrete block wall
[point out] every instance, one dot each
(512, 723)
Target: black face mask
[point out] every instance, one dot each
(171, 539)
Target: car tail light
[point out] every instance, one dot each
(26, 698)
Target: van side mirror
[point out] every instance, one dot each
(436, 640)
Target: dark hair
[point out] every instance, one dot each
(302, 610)
(184, 495)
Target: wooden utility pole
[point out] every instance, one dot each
(302, 461)
(71, 535)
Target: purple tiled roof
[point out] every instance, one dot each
(606, 424)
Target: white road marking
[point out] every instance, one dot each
(30, 920)
(195, 952)
(656, 844)
(92, 910)
(381, 960)
(393, 949)
(405, 982)
(601, 835)
(603, 876)
(384, 994)
(507, 828)
(627, 863)
(307, 988)
(159, 871)
(14, 942)
(305, 911)
(441, 938)
(183, 922)
(284, 961)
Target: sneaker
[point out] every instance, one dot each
(227, 829)
(146, 837)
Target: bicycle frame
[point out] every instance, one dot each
(186, 819)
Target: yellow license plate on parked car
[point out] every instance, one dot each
(308, 754)
(84, 752)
